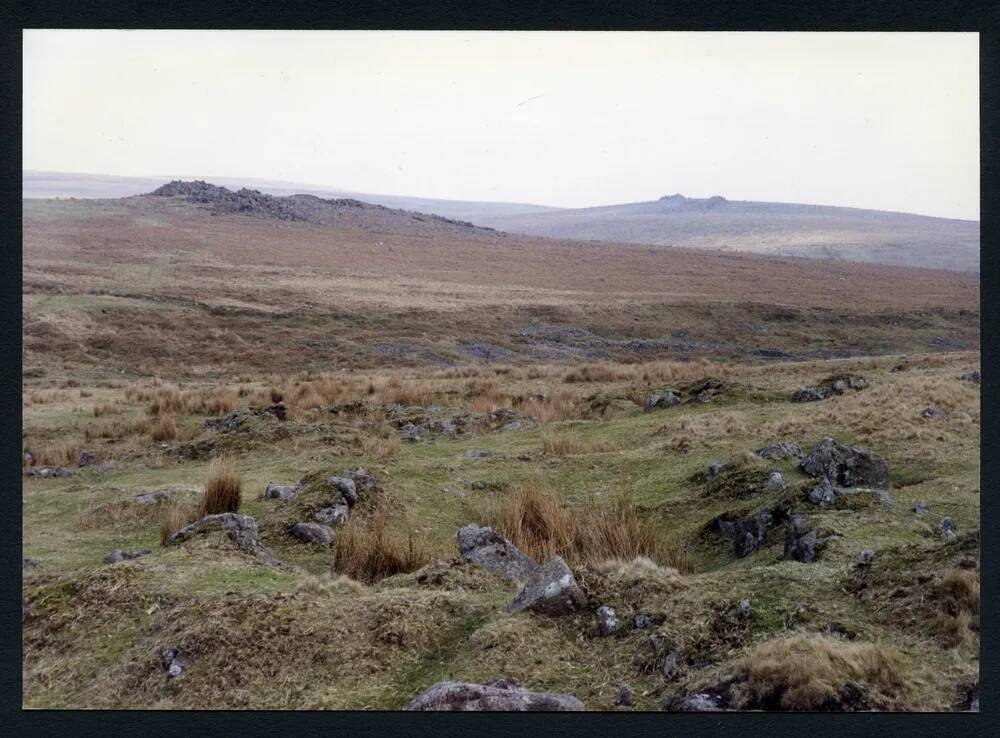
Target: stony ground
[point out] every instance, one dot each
(250, 445)
(280, 627)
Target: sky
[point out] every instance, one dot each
(888, 121)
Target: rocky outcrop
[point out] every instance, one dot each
(836, 385)
(846, 466)
(316, 533)
(661, 400)
(800, 539)
(747, 534)
(499, 696)
(487, 548)
(780, 450)
(151, 498)
(241, 529)
(335, 515)
(825, 494)
(551, 589)
(607, 621)
(48, 471)
(283, 492)
(695, 702)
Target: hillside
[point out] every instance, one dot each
(842, 234)
(155, 278)
(44, 185)
(253, 427)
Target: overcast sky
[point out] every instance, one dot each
(880, 120)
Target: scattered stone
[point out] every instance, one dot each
(501, 696)
(477, 453)
(103, 468)
(642, 621)
(780, 450)
(695, 702)
(346, 487)
(669, 665)
(336, 515)
(775, 482)
(550, 590)
(800, 539)
(313, 533)
(899, 368)
(810, 394)
(278, 410)
(657, 399)
(150, 498)
(866, 557)
(242, 529)
(743, 609)
(823, 493)
(489, 549)
(747, 534)
(174, 663)
(27, 563)
(973, 377)
(920, 508)
(225, 424)
(836, 385)
(48, 471)
(846, 466)
(932, 413)
(283, 492)
(412, 433)
(947, 528)
(118, 555)
(87, 457)
(624, 698)
(607, 621)
(714, 469)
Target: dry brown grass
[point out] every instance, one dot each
(224, 487)
(174, 516)
(57, 453)
(369, 548)
(808, 672)
(959, 597)
(381, 448)
(534, 519)
(164, 428)
(561, 443)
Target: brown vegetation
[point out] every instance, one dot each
(369, 549)
(223, 488)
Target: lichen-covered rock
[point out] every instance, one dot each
(822, 494)
(489, 549)
(335, 515)
(48, 471)
(947, 528)
(346, 487)
(932, 413)
(846, 466)
(800, 539)
(607, 621)
(775, 482)
(313, 533)
(174, 662)
(87, 457)
(550, 590)
(825, 494)
(624, 698)
(694, 702)
(283, 492)
(780, 450)
(241, 529)
(920, 508)
(118, 555)
(500, 696)
(747, 534)
(657, 399)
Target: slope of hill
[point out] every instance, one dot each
(42, 185)
(844, 234)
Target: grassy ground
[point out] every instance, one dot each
(301, 636)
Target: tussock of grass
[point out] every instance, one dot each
(369, 549)
(533, 517)
(809, 672)
(176, 515)
(164, 429)
(959, 596)
(223, 489)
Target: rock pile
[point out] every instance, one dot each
(500, 696)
